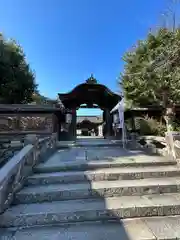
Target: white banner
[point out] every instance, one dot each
(115, 118)
(121, 121)
(121, 114)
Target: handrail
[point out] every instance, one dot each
(19, 167)
(6, 149)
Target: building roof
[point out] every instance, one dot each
(94, 119)
(90, 93)
(28, 108)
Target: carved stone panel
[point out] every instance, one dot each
(22, 122)
(7, 123)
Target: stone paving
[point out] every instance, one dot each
(161, 228)
(97, 193)
(89, 157)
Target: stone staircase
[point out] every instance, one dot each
(92, 188)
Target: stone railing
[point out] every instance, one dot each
(19, 167)
(8, 149)
(11, 144)
(173, 145)
(153, 145)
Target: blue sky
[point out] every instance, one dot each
(67, 40)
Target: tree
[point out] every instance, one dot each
(37, 98)
(152, 70)
(17, 81)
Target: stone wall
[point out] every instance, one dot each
(15, 126)
(19, 122)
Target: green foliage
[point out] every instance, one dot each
(153, 68)
(176, 125)
(38, 98)
(150, 126)
(17, 81)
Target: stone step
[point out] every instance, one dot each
(90, 143)
(83, 165)
(126, 229)
(91, 210)
(107, 174)
(89, 231)
(100, 189)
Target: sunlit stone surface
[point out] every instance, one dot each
(83, 183)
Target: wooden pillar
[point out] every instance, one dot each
(109, 120)
(111, 125)
(71, 134)
(73, 124)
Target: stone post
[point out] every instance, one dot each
(109, 120)
(30, 139)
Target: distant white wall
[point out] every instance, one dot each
(78, 131)
(100, 130)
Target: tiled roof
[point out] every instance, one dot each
(95, 119)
